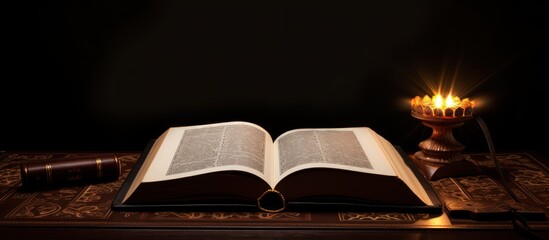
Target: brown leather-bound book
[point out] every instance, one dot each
(69, 171)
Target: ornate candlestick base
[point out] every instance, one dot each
(441, 154)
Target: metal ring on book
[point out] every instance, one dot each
(99, 168)
(267, 194)
(49, 172)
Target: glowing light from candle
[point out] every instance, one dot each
(439, 106)
(438, 101)
(449, 102)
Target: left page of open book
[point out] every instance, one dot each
(182, 152)
(195, 150)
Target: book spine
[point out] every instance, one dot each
(69, 171)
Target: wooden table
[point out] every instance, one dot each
(83, 212)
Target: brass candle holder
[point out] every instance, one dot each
(441, 154)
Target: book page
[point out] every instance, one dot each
(343, 148)
(146, 164)
(403, 171)
(189, 151)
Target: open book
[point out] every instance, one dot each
(238, 164)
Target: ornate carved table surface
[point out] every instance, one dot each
(84, 212)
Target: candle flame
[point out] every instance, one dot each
(438, 101)
(449, 102)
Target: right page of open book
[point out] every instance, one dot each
(357, 149)
(343, 148)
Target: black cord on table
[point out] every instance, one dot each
(520, 225)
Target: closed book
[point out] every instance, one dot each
(69, 171)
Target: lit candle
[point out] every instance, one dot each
(437, 106)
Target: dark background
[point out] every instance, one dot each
(110, 75)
